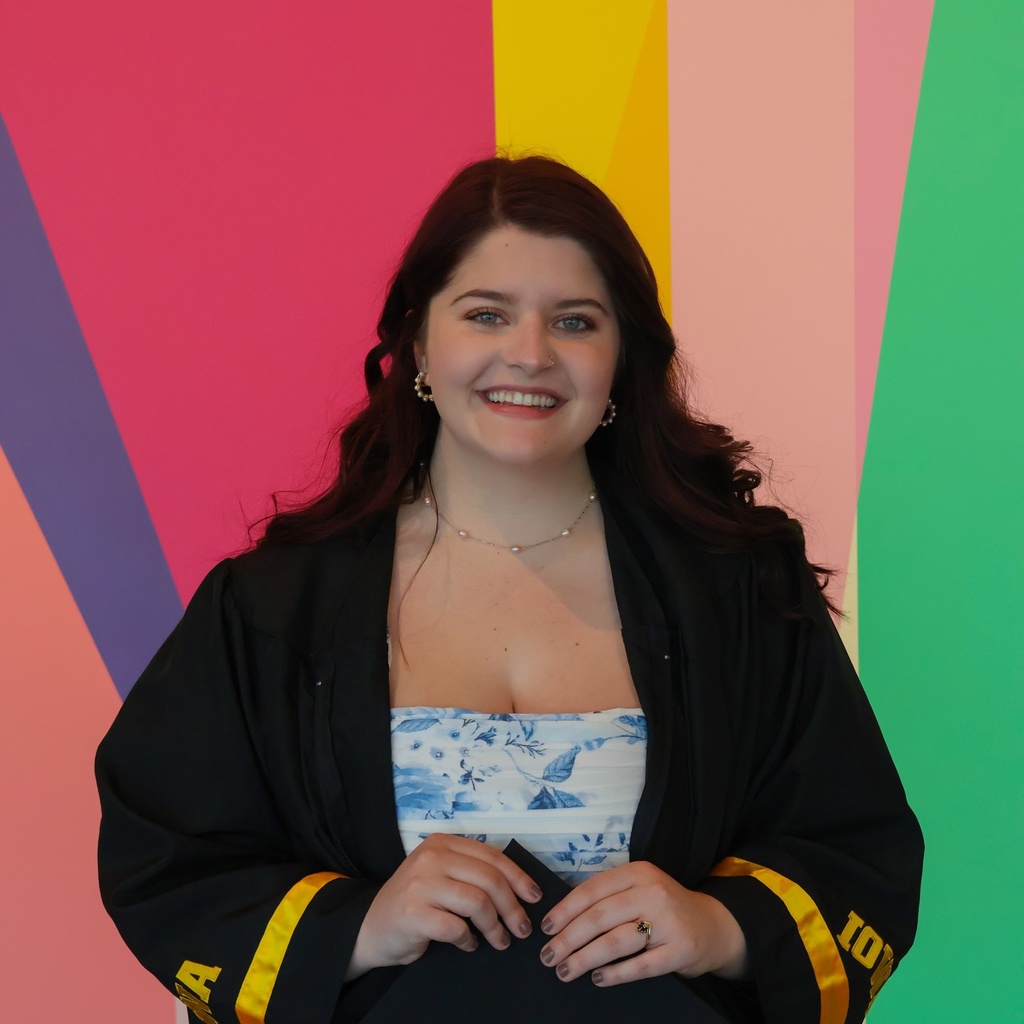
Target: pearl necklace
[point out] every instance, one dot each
(514, 548)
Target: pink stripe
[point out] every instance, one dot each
(890, 43)
(225, 188)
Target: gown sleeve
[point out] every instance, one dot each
(197, 867)
(822, 869)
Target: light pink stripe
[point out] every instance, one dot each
(761, 133)
(889, 51)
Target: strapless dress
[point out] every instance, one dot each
(566, 786)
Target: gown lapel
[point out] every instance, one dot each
(353, 716)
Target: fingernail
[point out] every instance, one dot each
(506, 941)
(524, 928)
(535, 893)
(562, 970)
(545, 926)
(596, 978)
(547, 954)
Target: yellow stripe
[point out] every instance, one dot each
(814, 933)
(562, 76)
(258, 984)
(587, 81)
(637, 177)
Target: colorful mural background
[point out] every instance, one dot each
(199, 208)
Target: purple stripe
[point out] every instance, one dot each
(63, 445)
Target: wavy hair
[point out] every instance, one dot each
(694, 471)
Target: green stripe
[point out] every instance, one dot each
(941, 519)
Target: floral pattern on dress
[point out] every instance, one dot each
(493, 777)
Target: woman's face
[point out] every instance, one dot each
(520, 349)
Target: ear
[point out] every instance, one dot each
(419, 351)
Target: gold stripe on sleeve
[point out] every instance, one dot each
(814, 933)
(258, 984)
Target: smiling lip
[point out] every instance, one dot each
(516, 398)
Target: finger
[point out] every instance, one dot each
(490, 880)
(619, 942)
(518, 880)
(600, 919)
(646, 965)
(442, 846)
(587, 894)
(445, 927)
(473, 903)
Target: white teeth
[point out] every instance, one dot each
(520, 398)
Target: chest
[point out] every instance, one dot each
(479, 627)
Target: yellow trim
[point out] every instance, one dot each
(258, 984)
(814, 933)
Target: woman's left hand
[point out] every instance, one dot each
(597, 923)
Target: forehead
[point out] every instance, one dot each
(512, 260)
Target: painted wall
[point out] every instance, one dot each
(199, 208)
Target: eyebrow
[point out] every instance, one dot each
(508, 299)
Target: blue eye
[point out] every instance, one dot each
(576, 323)
(484, 316)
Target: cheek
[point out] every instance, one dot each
(452, 377)
(601, 371)
(458, 359)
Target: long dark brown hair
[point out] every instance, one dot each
(694, 471)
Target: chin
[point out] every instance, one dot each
(520, 458)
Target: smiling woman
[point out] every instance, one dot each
(524, 380)
(539, 602)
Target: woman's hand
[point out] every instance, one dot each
(445, 883)
(596, 924)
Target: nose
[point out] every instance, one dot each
(528, 345)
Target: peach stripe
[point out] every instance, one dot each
(58, 699)
(760, 140)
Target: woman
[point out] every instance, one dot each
(538, 602)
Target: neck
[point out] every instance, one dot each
(504, 503)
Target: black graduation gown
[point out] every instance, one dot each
(248, 810)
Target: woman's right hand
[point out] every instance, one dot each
(445, 884)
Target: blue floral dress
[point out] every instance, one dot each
(565, 786)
